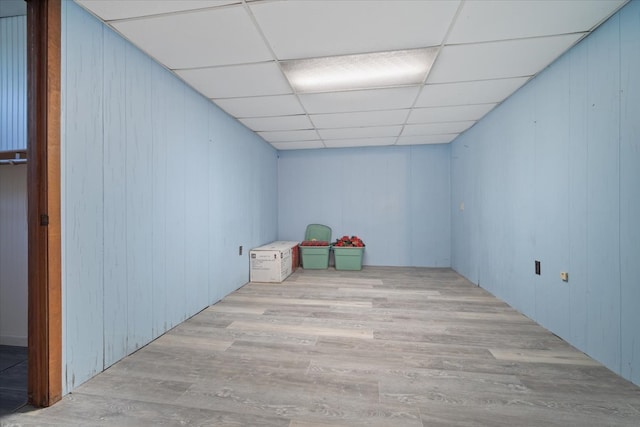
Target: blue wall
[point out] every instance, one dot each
(397, 199)
(553, 174)
(159, 188)
(13, 83)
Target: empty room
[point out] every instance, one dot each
(481, 159)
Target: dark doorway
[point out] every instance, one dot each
(13, 378)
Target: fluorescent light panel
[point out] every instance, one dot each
(370, 70)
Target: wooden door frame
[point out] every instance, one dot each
(44, 386)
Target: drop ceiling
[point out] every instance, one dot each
(233, 53)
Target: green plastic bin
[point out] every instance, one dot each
(316, 257)
(318, 232)
(348, 257)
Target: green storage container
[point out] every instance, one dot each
(316, 257)
(318, 232)
(348, 257)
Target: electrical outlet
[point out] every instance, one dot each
(564, 276)
(538, 267)
(240, 250)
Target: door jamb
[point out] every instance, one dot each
(44, 386)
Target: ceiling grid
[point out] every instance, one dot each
(234, 52)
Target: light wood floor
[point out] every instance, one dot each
(381, 347)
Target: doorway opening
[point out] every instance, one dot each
(13, 206)
(13, 278)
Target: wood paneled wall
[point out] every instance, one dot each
(397, 199)
(13, 83)
(552, 175)
(160, 187)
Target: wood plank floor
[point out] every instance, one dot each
(380, 347)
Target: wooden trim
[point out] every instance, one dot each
(43, 183)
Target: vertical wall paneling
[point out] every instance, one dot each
(463, 210)
(242, 202)
(144, 160)
(396, 198)
(175, 208)
(115, 201)
(603, 195)
(196, 203)
(629, 194)
(83, 207)
(556, 179)
(503, 201)
(551, 196)
(305, 199)
(219, 277)
(520, 204)
(374, 193)
(165, 89)
(493, 192)
(139, 152)
(13, 83)
(578, 173)
(238, 221)
(13, 255)
(425, 217)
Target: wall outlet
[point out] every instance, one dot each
(564, 276)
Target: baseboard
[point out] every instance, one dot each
(15, 341)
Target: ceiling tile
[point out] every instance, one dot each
(302, 145)
(225, 49)
(479, 92)
(519, 19)
(237, 80)
(367, 118)
(449, 114)
(512, 58)
(278, 123)
(289, 135)
(109, 10)
(325, 28)
(359, 100)
(436, 128)
(261, 106)
(426, 139)
(198, 39)
(359, 142)
(361, 132)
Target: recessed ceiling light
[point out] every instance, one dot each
(369, 70)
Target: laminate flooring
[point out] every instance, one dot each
(379, 347)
